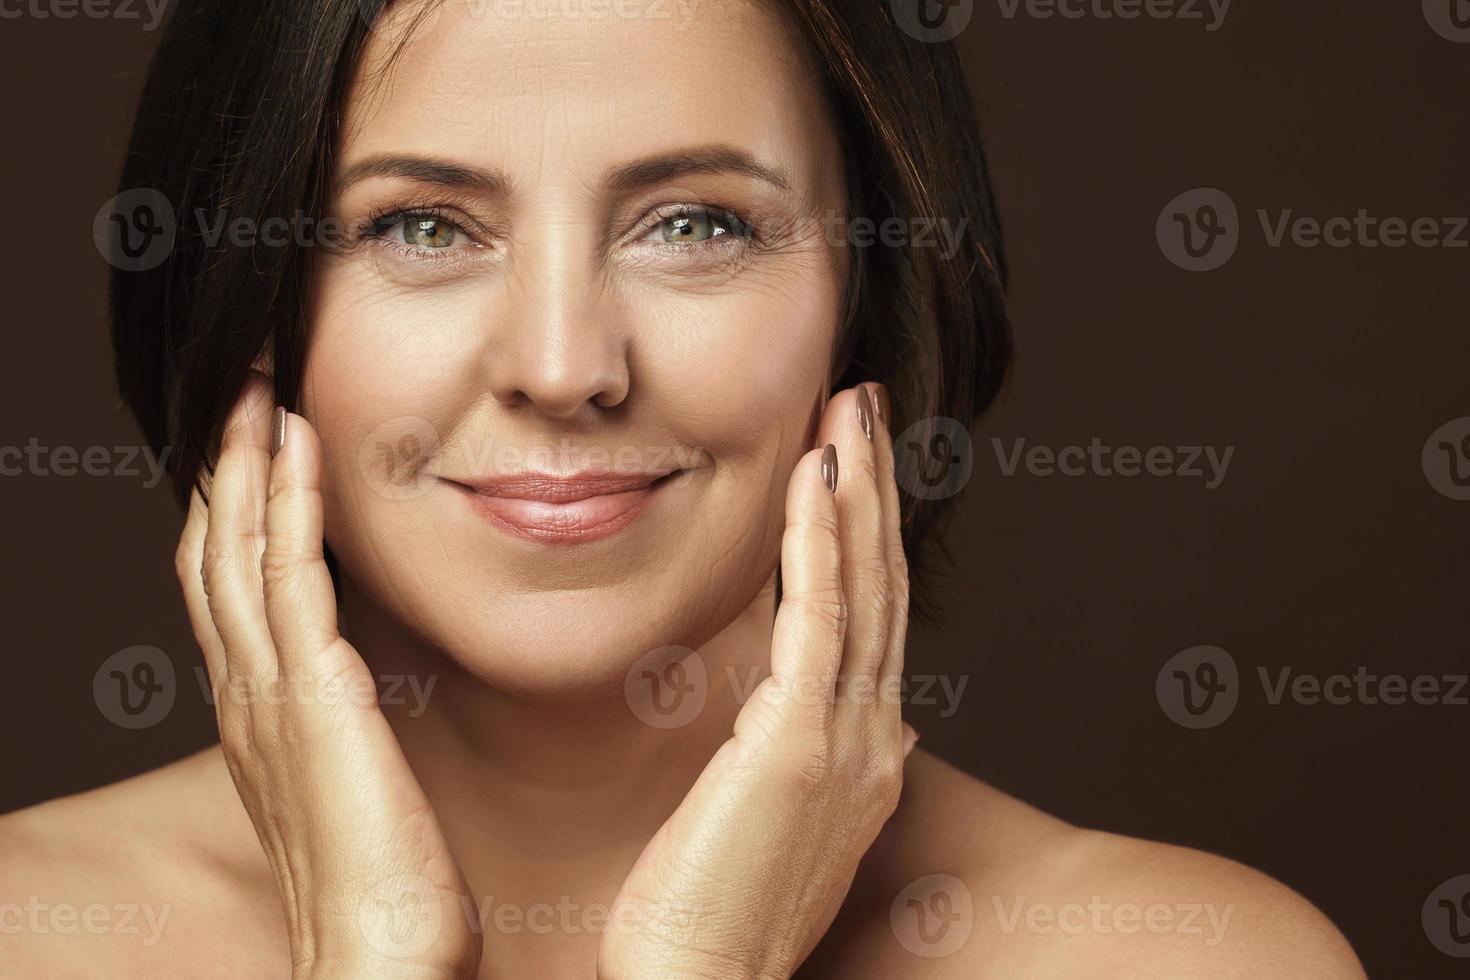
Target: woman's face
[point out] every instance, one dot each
(575, 347)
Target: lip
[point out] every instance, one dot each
(563, 509)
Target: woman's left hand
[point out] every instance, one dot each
(748, 873)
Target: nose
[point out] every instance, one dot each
(559, 343)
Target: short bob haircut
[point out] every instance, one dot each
(240, 117)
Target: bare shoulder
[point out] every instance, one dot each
(966, 881)
(129, 879)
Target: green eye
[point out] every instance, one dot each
(701, 225)
(428, 232)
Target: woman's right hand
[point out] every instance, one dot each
(366, 879)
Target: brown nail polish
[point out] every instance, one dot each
(278, 430)
(829, 467)
(881, 406)
(865, 411)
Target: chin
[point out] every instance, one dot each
(567, 647)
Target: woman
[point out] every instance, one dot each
(582, 347)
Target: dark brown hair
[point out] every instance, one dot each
(239, 119)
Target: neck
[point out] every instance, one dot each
(547, 801)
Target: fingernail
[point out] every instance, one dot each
(829, 467)
(865, 411)
(909, 738)
(881, 405)
(278, 430)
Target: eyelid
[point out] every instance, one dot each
(377, 230)
(381, 221)
(663, 212)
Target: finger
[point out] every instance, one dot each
(300, 602)
(235, 539)
(188, 560)
(849, 424)
(898, 566)
(811, 624)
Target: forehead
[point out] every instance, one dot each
(538, 87)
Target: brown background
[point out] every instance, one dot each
(1325, 548)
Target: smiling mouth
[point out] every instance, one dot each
(557, 509)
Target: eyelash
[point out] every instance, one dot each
(723, 215)
(377, 226)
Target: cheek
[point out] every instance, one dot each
(739, 371)
(380, 377)
(374, 389)
(375, 349)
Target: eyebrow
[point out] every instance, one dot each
(424, 170)
(711, 159)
